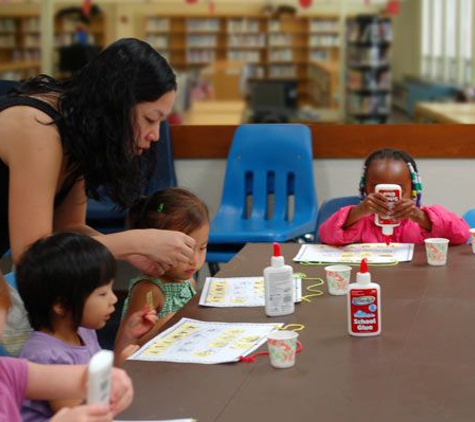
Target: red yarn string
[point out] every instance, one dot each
(252, 358)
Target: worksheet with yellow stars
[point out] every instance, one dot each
(375, 253)
(206, 342)
(234, 292)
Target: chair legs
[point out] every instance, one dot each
(213, 268)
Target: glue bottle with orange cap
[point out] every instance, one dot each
(364, 305)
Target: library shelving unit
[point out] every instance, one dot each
(272, 48)
(19, 46)
(20, 39)
(368, 69)
(65, 34)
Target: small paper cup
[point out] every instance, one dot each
(436, 250)
(472, 239)
(282, 346)
(338, 279)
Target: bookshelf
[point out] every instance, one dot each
(368, 69)
(273, 49)
(20, 39)
(66, 34)
(19, 46)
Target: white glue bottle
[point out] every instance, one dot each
(278, 286)
(364, 305)
(99, 377)
(387, 224)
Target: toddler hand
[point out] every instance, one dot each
(84, 413)
(140, 323)
(376, 203)
(406, 209)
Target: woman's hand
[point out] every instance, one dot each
(122, 391)
(84, 413)
(159, 250)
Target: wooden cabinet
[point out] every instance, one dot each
(323, 84)
(273, 49)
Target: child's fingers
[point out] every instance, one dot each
(151, 318)
(403, 210)
(378, 206)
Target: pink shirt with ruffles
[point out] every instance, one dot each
(444, 224)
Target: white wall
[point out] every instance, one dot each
(445, 182)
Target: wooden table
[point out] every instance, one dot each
(445, 112)
(420, 369)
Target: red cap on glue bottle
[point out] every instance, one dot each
(277, 259)
(363, 276)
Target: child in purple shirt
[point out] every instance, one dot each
(355, 224)
(65, 281)
(20, 378)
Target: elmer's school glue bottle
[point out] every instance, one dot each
(364, 305)
(387, 224)
(278, 286)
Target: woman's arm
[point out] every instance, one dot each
(34, 155)
(62, 382)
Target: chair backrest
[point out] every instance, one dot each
(5, 86)
(331, 206)
(269, 173)
(104, 215)
(469, 217)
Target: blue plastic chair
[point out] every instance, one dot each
(330, 207)
(269, 193)
(5, 86)
(469, 217)
(104, 215)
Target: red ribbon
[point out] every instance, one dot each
(252, 358)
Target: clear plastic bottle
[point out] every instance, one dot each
(393, 194)
(364, 305)
(278, 286)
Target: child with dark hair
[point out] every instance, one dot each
(65, 281)
(20, 379)
(168, 209)
(355, 224)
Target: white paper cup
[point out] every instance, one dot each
(338, 279)
(282, 346)
(436, 250)
(472, 239)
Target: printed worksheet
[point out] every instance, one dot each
(194, 341)
(239, 292)
(375, 253)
